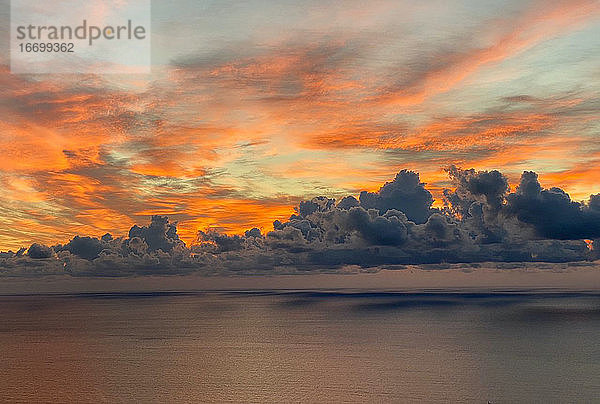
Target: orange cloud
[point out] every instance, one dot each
(578, 179)
(543, 21)
(196, 144)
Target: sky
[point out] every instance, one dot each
(254, 106)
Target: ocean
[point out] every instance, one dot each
(301, 346)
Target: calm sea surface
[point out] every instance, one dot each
(300, 346)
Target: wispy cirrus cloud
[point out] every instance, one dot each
(539, 22)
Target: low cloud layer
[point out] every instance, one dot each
(481, 221)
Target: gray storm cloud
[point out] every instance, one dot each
(481, 221)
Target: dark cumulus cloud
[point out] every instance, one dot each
(481, 221)
(406, 194)
(552, 212)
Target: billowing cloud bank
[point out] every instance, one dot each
(481, 221)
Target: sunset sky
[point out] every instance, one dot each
(253, 106)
